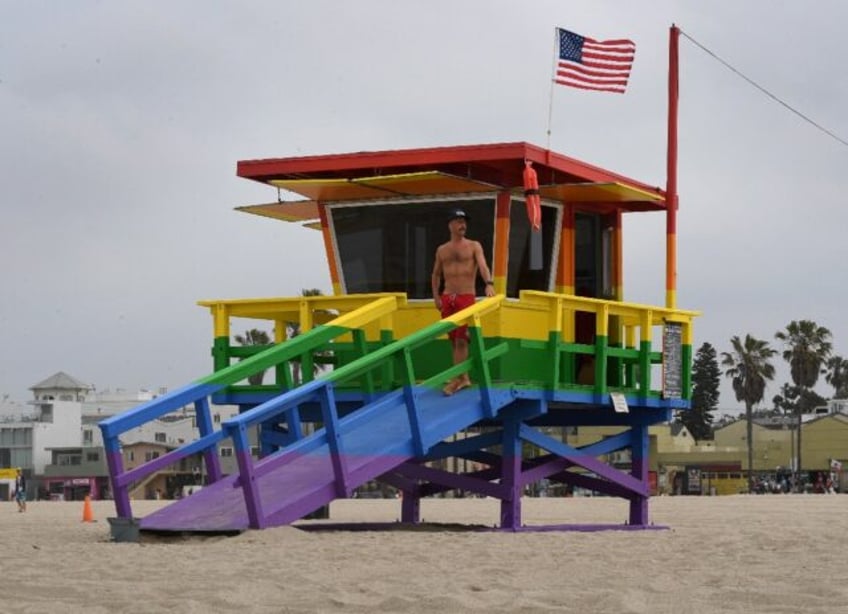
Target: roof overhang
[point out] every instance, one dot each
(449, 170)
(383, 186)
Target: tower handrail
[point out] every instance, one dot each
(270, 408)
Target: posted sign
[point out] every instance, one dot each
(672, 360)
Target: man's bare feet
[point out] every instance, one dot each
(457, 384)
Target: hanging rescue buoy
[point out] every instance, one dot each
(531, 196)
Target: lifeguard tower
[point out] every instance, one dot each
(557, 348)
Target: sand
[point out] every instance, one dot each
(771, 553)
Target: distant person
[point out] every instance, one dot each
(20, 491)
(457, 263)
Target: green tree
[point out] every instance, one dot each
(793, 399)
(749, 368)
(786, 402)
(837, 376)
(706, 376)
(254, 336)
(806, 348)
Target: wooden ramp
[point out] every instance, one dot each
(302, 477)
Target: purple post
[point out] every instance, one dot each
(510, 474)
(249, 487)
(639, 470)
(115, 463)
(410, 506)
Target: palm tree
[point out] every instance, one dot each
(837, 376)
(254, 337)
(807, 350)
(748, 367)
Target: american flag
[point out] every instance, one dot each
(593, 65)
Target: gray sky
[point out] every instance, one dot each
(122, 122)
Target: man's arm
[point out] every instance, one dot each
(436, 280)
(483, 268)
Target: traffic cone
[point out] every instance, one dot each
(87, 514)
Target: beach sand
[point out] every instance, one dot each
(772, 553)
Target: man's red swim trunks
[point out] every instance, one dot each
(453, 303)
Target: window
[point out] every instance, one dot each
(226, 452)
(130, 455)
(149, 456)
(159, 437)
(586, 254)
(390, 247)
(216, 418)
(65, 460)
(92, 457)
(87, 436)
(532, 255)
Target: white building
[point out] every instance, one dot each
(56, 439)
(54, 420)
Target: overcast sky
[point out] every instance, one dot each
(121, 124)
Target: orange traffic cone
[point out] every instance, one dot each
(87, 514)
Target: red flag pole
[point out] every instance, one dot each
(671, 173)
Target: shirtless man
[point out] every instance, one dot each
(458, 261)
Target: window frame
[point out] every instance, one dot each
(331, 208)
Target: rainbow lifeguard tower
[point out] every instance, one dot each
(556, 348)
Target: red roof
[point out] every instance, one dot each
(499, 164)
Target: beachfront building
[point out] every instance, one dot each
(824, 450)
(55, 440)
(772, 442)
(52, 419)
(681, 465)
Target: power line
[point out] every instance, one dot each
(766, 92)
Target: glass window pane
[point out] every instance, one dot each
(524, 273)
(390, 247)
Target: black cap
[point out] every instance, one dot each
(458, 214)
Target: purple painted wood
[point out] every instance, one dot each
(247, 479)
(511, 476)
(394, 526)
(639, 470)
(120, 493)
(376, 439)
(410, 507)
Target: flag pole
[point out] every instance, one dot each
(671, 173)
(553, 81)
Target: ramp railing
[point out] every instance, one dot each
(198, 394)
(320, 389)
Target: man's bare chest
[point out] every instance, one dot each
(458, 256)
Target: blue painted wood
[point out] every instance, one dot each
(412, 402)
(206, 427)
(639, 470)
(376, 439)
(156, 408)
(463, 446)
(579, 458)
(334, 440)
